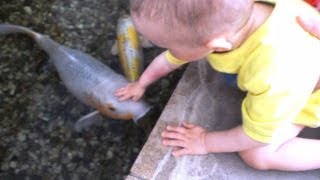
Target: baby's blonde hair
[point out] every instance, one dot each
(203, 18)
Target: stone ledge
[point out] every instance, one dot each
(201, 97)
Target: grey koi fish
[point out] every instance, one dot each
(89, 80)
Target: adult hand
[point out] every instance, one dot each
(132, 90)
(310, 23)
(189, 137)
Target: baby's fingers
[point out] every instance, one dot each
(136, 97)
(181, 152)
(178, 129)
(121, 91)
(125, 97)
(173, 135)
(175, 143)
(188, 125)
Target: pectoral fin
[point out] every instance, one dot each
(88, 120)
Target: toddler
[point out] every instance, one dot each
(276, 63)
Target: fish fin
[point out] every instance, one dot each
(114, 49)
(145, 43)
(88, 120)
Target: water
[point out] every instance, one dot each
(38, 113)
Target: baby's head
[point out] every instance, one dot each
(187, 27)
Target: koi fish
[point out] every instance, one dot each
(89, 80)
(129, 49)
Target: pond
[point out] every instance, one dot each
(38, 113)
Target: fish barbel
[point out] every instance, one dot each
(89, 80)
(129, 49)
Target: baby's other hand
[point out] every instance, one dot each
(132, 90)
(189, 137)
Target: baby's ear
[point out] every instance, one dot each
(219, 44)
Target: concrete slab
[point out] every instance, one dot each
(202, 97)
(132, 178)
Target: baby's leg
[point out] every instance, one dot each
(290, 153)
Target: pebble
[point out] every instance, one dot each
(54, 153)
(4, 166)
(21, 136)
(60, 123)
(109, 154)
(13, 164)
(80, 154)
(79, 140)
(71, 166)
(33, 135)
(92, 165)
(80, 26)
(136, 150)
(24, 166)
(70, 155)
(75, 177)
(33, 156)
(57, 169)
(27, 9)
(165, 84)
(44, 161)
(114, 49)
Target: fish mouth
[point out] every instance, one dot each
(107, 109)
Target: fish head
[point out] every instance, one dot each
(126, 110)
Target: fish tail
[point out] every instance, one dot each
(12, 29)
(43, 41)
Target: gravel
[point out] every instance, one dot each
(37, 112)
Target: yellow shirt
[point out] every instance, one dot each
(278, 66)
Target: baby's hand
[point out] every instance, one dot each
(190, 138)
(132, 90)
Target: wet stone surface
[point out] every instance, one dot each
(37, 111)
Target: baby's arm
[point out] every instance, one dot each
(194, 139)
(158, 68)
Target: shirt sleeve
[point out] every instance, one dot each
(264, 113)
(173, 60)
